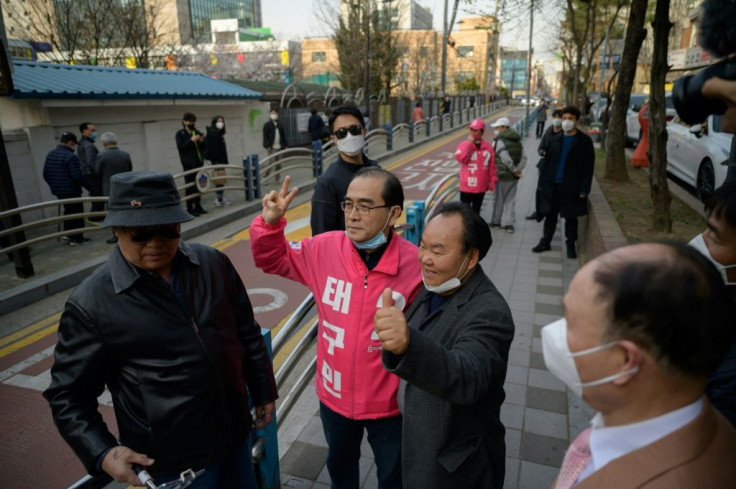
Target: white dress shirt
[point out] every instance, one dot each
(608, 444)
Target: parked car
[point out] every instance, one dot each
(633, 129)
(698, 154)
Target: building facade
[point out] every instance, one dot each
(514, 71)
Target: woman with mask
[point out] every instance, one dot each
(347, 132)
(217, 154)
(478, 172)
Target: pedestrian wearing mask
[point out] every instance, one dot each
(564, 181)
(511, 161)
(217, 154)
(88, 153)
(347, 129)
(555, 128)
(191, 145)
(274, 140)
(478, 172)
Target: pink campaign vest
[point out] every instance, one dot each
(478, 171)
(350, 377)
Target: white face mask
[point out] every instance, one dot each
(699, 244)
(220, 125)
(274, 117)
(351, 145)
(556, 122)
(449, 285)
(568, 125)
(561, 362)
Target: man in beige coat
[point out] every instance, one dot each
(644, 327)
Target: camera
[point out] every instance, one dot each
(690, 104)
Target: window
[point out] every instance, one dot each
(465, 51)
(319, 57)
(403, 51)
(423, 51)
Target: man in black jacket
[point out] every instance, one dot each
(274, 140)
(564, 181)
(88, 153)
(191, 145)
(63, 172)
(169, 329)
(347, 128)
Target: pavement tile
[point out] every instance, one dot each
(546, 399)
(550, 281)
(512, 416)
(522, 305)
(536, 360)
(542, 449)
(537, 345)
(549, 309)
(536, 476)
(552, 299)
(304, 460)
(313, 433)
(545, 380)
(516, 375)
(512, 472)
(543, 422)
(519, 357)
(550, 266)
(550, 289)
(551, 273)
(513, 443)
(516, 394)
(544, 319)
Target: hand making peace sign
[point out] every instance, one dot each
(275, 204)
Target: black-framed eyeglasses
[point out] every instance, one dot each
(363, 210)
(355, 130)
(148, 235)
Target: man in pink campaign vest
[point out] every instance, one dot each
(644, 328)
(347, 271)
(478, 173)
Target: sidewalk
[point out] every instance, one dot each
(540, 416)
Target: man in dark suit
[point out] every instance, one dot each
(274, 140)
(644, 328)
(564, 181)
(451, 352)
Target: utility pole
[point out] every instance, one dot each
(444, 52)
(366, 94)
(529, 67)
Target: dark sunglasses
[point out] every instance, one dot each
(146, 236)
(355, 130)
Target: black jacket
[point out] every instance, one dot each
(191, 153)
(179, 378)
(269, 134)
(87, 153)
(329, 191)
(216, 147)
(578, 174)
(315, 126)
(63, 172)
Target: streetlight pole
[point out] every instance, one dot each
(529, 67)
(444, 52)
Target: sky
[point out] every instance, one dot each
(295, 20)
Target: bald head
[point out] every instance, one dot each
(670, 300)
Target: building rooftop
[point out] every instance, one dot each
(61, 81)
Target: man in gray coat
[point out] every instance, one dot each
(451, 352)
(111, 161)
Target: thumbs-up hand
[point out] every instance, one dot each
(390, 325)
(276, 203)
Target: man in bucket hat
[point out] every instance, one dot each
(168, 328)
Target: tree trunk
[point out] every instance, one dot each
(616, 134)
(661, 198)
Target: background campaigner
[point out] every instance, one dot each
(451, 352)
(347, 272)
(274, 140)
(348, 133)
(168, 328)
(478, 172)
(216, 152)
(510, 161)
